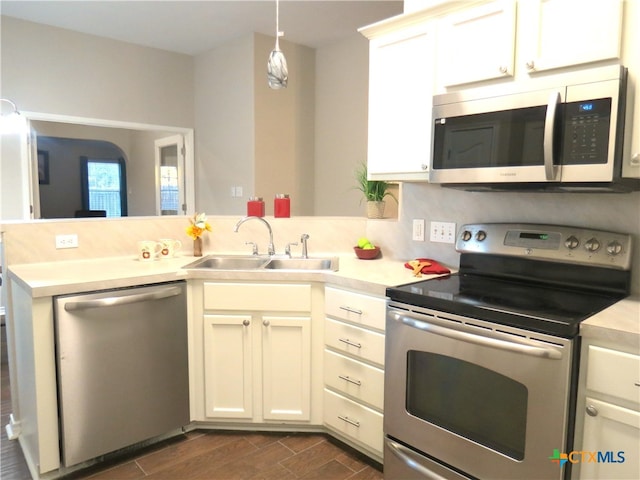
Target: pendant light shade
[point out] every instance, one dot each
(277, 73)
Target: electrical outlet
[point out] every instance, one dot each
(443, 232)
(67, 241)
(418, 230)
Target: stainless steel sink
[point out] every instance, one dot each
(229, 262)
(303, 264)
(252, 262)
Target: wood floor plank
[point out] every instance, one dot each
(298, 442)
(332, 469)
(206, 465)
(312, 458)
(184, 450)
(253, 466)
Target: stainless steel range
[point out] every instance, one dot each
(481, 365)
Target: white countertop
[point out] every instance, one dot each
(60, 278)
(619, 323)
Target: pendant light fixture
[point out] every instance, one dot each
(277, 73)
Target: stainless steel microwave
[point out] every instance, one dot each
(564, 133)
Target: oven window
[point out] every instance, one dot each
(469, 400)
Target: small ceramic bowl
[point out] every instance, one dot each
(366, 254)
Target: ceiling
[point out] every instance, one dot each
(193, 27)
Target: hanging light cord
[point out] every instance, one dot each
(278, 32)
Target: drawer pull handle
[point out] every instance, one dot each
(637, 384)
(348, 420)
(349, 342)
(351, 310)
(350, 380)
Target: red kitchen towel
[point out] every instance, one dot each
(433, 268)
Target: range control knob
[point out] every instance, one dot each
(481, 235)
(466, 235)
(571, 242)
(592, 245)
(614, 248)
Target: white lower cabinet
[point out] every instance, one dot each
(354, 368)
(257, 352)
(612, 432)
(353, 420)
(608, 418)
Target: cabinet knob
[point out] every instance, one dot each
(266, 323)
(246, 322)
(592, 411)
(531, 65)
(503, 69)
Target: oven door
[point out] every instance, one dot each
(486, 400)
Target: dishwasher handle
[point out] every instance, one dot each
(156, 294)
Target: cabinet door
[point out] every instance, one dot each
(228, 366)
(400, 92)
(477, 44)
(286, 368)
(614, 433)
(562, 33)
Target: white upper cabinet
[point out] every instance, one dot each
(563, 33)
(477, 44)
(400, 92)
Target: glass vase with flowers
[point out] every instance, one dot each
(198, 225)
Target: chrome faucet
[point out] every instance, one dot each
(271, 248)
(303, 239)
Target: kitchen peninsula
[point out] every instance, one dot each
(37, 273)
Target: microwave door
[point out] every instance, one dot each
(513, 138)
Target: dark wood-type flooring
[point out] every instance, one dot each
(210, 455)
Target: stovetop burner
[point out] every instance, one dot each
(528, 276)
(533, 307)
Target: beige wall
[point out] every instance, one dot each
(341, 125)
(52, 70)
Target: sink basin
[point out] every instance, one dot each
(229, 262)
(251, 262)
(302, 264)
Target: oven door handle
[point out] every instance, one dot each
(411, 460)
(523, 347)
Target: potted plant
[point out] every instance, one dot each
(374, 192)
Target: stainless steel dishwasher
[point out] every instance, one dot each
(122, 368)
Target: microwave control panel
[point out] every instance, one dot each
(586, 132)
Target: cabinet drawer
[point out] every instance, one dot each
(357, 379)
(356, 308)
(353, 420)
(257, 296)
(614, 373)
(355, 341)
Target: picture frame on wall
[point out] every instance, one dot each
(43, 167)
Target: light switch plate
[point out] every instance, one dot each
(418, 230)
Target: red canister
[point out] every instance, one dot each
(282, 206)
(255, 207)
